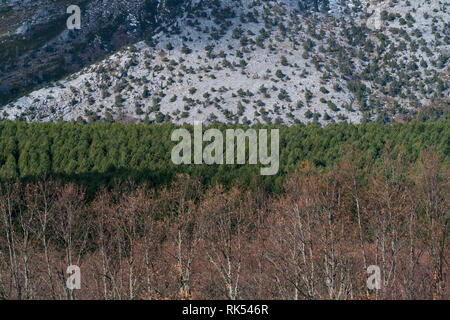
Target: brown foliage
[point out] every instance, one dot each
(314, 241)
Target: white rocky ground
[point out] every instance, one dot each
(238, 81)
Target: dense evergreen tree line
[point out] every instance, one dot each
(98, 153)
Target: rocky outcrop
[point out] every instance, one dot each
(36, 46)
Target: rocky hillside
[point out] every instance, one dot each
(244, 61)
(36, 47)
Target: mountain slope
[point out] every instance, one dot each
(36, 47)
(266, 61)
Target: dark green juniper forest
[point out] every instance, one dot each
(95, 155)
(224, 149)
